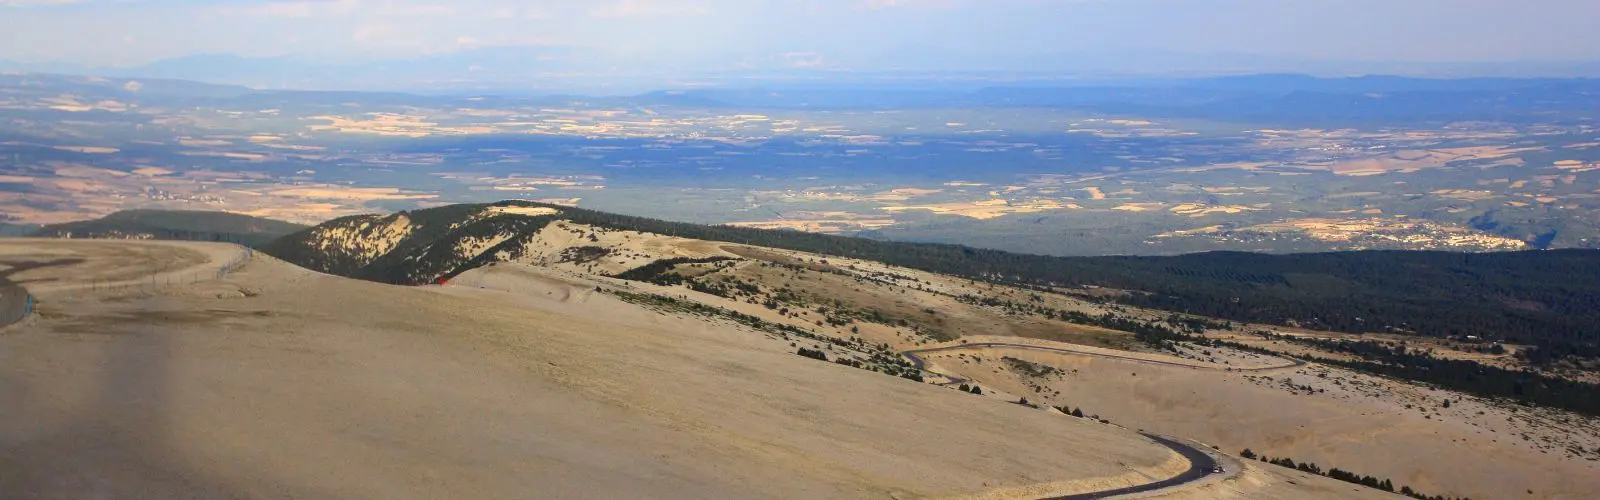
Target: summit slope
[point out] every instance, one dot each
(275, 381)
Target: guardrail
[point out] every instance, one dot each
(170, 278)
(17, 303)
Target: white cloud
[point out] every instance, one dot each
(344, 8)
(37, 3)
(296, 9)
(650, 8)
(804, 59)
(517, 12)
(371, 32)
(473, 42)
(892, 4)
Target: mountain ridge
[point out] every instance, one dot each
(1525, 297)
(175, 225)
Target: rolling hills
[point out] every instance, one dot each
(274, 381)
(1071, 337)
(175, 225)
(17, 229)
(862, 303)
(1537, 298)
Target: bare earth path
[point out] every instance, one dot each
(921, 364)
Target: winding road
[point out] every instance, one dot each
(1201, 463)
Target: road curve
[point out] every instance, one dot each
(1201, 464)
(221, 259)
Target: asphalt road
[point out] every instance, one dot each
(1200, 466)
(1200, 463)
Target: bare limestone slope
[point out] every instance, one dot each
(1234, 399)
(280, 382)
(865, 314)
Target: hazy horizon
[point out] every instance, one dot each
(663, 36)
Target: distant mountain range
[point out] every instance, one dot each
(1265, 98)
(1281, 99)
(556, 69)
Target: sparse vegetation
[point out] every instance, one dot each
(1525, 387)
(1346, 476)
(656, 272)
(1030, 369)
(873, 357)
(1429, 293)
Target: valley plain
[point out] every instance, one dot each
(733, 249)
(1067, 171)
(834, 295)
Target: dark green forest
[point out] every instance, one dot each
(425, 255)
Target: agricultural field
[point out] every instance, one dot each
(1041, 179)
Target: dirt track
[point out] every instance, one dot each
(920, 363)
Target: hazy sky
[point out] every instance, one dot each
(811, 32)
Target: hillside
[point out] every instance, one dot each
(291, 383)
(175, 225)
(17, 229)
(1542, 299)
(1051, 347)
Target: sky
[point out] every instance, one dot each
(954, 34)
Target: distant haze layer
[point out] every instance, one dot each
(516, 41)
